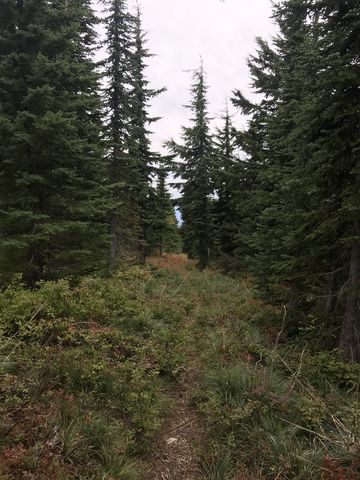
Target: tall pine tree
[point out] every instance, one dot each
(306, 132)
(139, 142)
(130, 159)
(226, 179)
(50, 159)
(194, 167)
(124, 216)
(336, 165)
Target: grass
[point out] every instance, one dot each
(85, 370)
(276, 409)
(220, 467)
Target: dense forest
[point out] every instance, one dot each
(108, 306)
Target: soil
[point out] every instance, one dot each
(176, 449)
(175, 453)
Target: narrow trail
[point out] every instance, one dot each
(175, 452)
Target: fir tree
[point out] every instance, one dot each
(226, 179)
(127, 137)
(280, 251)
(166, 230)
(320, 207)
(195, 167)
(124, 216)
(336, 165)
(255, 240)
(139, 143)
(50, 160)
(306, 131)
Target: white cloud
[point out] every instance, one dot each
(179, 31)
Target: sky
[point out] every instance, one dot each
(180, 33)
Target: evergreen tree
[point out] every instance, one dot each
(255, 240)
(320, 208)
(226, 179)
(127, 97)
(306, 131)
(50, 159)
(167, 234)
(195, 167)
(139, 142)
(275, 142)
(336, 166)
(279, 246)
(124, 216)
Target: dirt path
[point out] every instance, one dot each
(175, 451)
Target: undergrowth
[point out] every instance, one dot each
(83, 371)
(274, 409)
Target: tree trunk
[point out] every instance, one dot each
(330, 298)
(34, 270)
(350, 333)
(162, 246)
(113, 241)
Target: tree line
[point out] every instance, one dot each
(280, 198)
(288, 207)
(77, 173)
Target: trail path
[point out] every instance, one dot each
(175, 451)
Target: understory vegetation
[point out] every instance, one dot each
(275, 408)
(82, 374)
(86, 370)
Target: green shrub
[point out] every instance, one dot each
(326, 368)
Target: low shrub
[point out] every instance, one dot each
(82, 371)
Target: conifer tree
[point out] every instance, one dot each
(336, 167)
(195, 168)
(226, 179)
(50, 159)
(255, 187)
(306, 131)
(124, 216)
(127, 98)
(320, 207)
(139, 142)
(280, 251)
(168, 239)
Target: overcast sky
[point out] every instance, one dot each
(179, 32)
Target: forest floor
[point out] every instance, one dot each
(175, 449)
(175, 452)
(167, 373)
